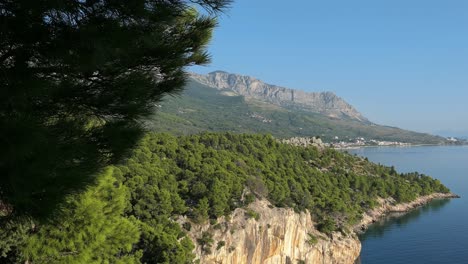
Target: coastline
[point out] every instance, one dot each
(391, 146)
(279, 234)
(389, 205)
(397, 146)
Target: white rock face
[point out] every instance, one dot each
(304, 142)
(278, 236)
(282, 236)
(326, 103)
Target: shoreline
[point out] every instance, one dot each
(396, 146)
(389, 205)
(384, 146)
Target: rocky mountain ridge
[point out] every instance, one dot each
(201, 107)
(326, 103)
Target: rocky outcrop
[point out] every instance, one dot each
(389, 205)
(305, 142)
(266, 234)
(326, 103)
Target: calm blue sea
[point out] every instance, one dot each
(436, 233)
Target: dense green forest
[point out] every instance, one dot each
(129, 215)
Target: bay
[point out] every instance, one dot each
(435, 233)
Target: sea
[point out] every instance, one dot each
(435, 233)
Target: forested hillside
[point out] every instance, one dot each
(203, 108)
(129, 215)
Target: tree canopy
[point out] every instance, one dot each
(90, 228)
(76, 76)
(134, 212)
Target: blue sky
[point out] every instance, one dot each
(400, 62)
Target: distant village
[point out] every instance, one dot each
(353, 143)
(358, 142)
(362, 142)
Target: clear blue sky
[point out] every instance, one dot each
(400, 62)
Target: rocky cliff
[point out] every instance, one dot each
(266, 234)
(326, 103)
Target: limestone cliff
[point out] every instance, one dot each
(266, 234)
(326, 103)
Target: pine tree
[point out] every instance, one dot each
(76, 78)
(90, 228)
(200, 213)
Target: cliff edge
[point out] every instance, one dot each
(265, 234)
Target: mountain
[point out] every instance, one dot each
(326, 103)
(227, 102)
(453, 133)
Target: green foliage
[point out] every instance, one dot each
(249, 198)
(90, 228)
(311, 239)
(187, 226)
(76, 78)
(130, 215)
(327, 226)
(252, 214)
(200, 212)
(13, 234)
(220, 245)
(205, 176)
(206, 242)
(162, 241)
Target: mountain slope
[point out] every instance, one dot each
(202, 108)
(326, 103)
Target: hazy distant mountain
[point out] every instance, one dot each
(227, 102)
(326, 103)
(452, 133)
